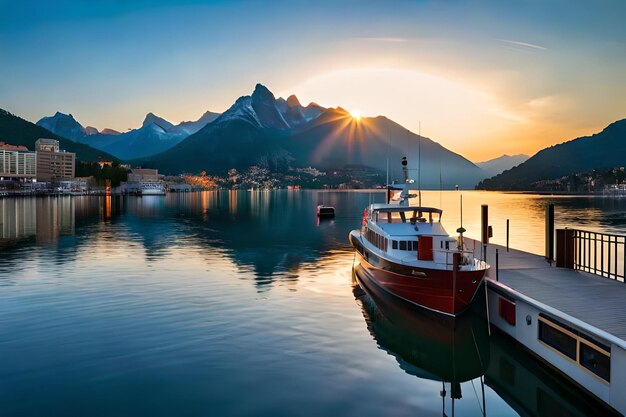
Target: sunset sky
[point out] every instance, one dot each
(483, 77)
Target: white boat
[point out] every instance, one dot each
(406, 251)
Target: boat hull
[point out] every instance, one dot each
(428, 288)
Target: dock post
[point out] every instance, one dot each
(497, 266)
(565, 248)
(507, 235)
(455, 267)
(484, 227)
(550, 233)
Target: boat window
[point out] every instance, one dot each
(394, 244)
(557, 339)
(415, 245)
(403, 245)
(447, 245)
(385, 244)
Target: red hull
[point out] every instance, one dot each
(433, 290)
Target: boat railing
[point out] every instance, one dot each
(467, 258)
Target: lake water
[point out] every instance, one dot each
(237, 303)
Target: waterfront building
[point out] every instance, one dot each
(143, 181)
(143, 174)
(52, 163)
(615, 190)
(17, 162)
(74, 186)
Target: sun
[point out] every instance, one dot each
(356, 114)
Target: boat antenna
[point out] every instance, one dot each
(461, 230)
(388, 148)
(419, 164)
(387, 183)
(405, 170)
(440, 182)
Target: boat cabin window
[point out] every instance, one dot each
(402, 216)
(376, 239)
(410, 245)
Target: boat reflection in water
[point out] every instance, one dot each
(434, 347)
(427, 344)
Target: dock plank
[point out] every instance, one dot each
(595, 300)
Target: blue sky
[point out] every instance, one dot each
(483, 77)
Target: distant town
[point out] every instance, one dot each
(50, 170)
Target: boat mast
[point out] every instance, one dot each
(387, 183)
(461, 230)
(419, 164)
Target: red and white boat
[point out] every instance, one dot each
(406, 251)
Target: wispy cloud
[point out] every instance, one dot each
(382, 39)
(522, 44)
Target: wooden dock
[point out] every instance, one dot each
(591, 299)
(573, 320)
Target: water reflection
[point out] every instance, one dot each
(462, 355)
(429, 345)
(273, 233)
(240, 303)
(270, 234)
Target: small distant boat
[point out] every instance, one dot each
(324, 211)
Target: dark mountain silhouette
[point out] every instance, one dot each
(294, 113)
(258, 129)
(606, 149)
(500, 164)
(335, 139)
(17, 131)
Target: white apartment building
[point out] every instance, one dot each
(17, 162)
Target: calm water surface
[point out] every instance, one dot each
(239, 303)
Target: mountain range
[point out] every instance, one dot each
(17, 131)
(261, 130)
(606, 149)
(155, 134)
(277, 133)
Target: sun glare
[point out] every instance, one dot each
(356, 114)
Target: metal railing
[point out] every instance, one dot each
(601, 254)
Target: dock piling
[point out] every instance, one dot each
(507, 235)
(550, 233)
(565, 248)
(497, 265)
(484, 226)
